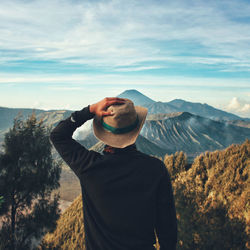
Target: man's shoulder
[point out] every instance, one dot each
(151, 159)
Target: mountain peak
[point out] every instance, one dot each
(131, 91)
(137, 97)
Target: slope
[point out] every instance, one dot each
(190, 133)
(212, 200)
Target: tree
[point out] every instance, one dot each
(28, 175)
(211, 199)
(175, 163)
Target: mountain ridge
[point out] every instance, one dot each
(192, 134)
(178, 105)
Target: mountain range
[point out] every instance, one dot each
(170, 126)
(178, 105)
(167, 133)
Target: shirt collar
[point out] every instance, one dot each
(111, 150)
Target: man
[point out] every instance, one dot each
(127, 195)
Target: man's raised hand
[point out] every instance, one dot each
(100, 108)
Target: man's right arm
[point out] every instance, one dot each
(72, 152)
(166, 223)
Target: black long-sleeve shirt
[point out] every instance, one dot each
(127, 196)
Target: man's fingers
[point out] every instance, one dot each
(115, 98)
(105, 103)
(105, 113)
(109, 103)
(115, 101)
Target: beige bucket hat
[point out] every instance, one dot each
(120, 129)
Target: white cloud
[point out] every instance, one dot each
(111, 33)
(246, 108)
(239, 106)
(234, 104)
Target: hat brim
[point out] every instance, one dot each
(119, 140)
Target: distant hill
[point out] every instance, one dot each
(161, 108)
(240, 123)
(51, 118)
(178, 105)
(7, 116)
(195, 108)
(190, 133)
(204, 110)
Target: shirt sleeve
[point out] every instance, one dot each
(73, 153)
(166, 223)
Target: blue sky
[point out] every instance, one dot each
(67, 54)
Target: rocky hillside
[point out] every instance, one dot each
(190, 133)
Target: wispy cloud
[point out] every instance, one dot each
(63, 88)
(114, 33)
(76, 80)
(129, 69)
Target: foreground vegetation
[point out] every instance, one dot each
(28, 176)
(212, 203)
(212, 198)
(69, 233)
